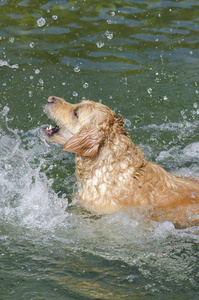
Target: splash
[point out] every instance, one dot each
(26, 194)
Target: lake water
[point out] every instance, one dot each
(141, 59)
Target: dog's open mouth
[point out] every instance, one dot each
(57, 134)
(50, 131)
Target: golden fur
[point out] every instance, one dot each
(112, 173)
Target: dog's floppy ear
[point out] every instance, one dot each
(86, 142)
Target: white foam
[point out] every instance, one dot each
(191, 151)
(187, 154)
(27, 197)
(5, 63)
(164, 229)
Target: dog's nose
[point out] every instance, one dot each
(51, 99)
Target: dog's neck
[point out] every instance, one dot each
(114, 151)
(106, 178)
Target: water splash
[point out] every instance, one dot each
(26, 194)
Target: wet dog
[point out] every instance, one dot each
(112, 173)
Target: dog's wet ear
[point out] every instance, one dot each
(86, 142)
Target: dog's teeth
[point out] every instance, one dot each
(49, 127)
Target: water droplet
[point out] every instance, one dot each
(30, 93)
(112, 13)
(5, 110)
(149, 90)
(127, 122)
(197, 92)
(85, 85)
(109, 35)
(41, 22)
(32, 45)
(54, 17)
(41, 81)
(100, 44)
(165, 98)
(37, 71)
(77, 69)
(63, 83)
(11, 40)
(109, 21)
(31, 77)
(125, 81)
(75, 94)
(191, 52)
(195, 105)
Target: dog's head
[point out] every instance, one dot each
(81, 128)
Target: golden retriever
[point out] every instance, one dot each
(112, 173)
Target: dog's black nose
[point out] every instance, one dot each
(51, 99)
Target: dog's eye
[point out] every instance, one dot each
(75, 112)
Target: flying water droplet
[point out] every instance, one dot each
(149, 90)
(100, 44)
(127, 122)
(75, 94)
(112, 13)
(85, 85)
(11, 40)
(109, 35)
(41, 22)
(37, 71)
(77, 69)
(41, 81)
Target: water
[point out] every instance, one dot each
(141, 59)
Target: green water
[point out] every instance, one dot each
(140, 58)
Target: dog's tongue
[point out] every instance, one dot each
(50, 130)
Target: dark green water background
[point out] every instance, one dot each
(140, 58)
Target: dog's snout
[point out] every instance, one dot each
(51, 99)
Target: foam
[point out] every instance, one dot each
(27, 197)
